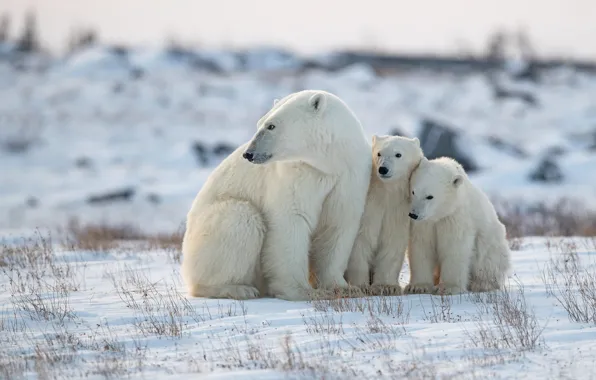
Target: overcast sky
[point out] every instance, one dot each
(562, 27)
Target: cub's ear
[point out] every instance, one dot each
(275, 101)
(374, 139)
(416, 141)
(318, 102)
(457, 180)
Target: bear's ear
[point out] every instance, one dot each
(416, 141)
(317, 102)
(457, 180)
(275, 101)
(374, 139)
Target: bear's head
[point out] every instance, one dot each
(436, 188)
(395, 157)
(308, 126)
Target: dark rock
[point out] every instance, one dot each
(439, 140)
(136, 73)
(119, 50)
(547, 171)
(397, 132)
(592, 145)
(500, 93)
(32, 202)
(124, 195)
(83, 162)
(505, 146)
(223, 149)
(528, 72)
(117, 87)
(556, 151)
(201, 153)
(154, 198)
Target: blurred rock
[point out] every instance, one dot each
(124, 195)
(505, 146)
(223, 149)
(547, 171)
(592, 146)
(438, 140)
(154, 198)
(201, 153)
(32, 202)
(501, 93)
(556, 151)
(83, 162)
(396, 131)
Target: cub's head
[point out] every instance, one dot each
(436, 187)
(303, 126)
(395, 157)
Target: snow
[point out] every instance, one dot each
(98, 122)
(126, 311)
(134, 115)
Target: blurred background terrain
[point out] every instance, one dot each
(116, 112)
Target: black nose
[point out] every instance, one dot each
(248, 156)
(383, 170)
(413, 216)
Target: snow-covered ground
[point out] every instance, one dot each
(123, 313)
(96, 122)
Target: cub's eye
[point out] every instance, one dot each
(412, 193)
(271, 127)
(379, 154)
(429, 197)
(398, 155)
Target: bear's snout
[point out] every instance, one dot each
(248, 156)
(413, 216)
(383, 170)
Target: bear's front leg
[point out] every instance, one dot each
(455, 247)
(358, 265)
(336, 235)
(422, 258)
(388, 263)
(285, 257)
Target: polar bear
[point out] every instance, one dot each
(297, 188)
(385, 226)
(455, 231)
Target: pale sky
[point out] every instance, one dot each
(562, 27)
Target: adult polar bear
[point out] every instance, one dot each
(298, 187)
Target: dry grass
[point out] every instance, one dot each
(564, 218)
(160, 310)
(42, 284)
(381, 305)
(571, 280)
(98, 237)
(513, 324)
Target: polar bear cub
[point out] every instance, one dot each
(384, 229)
(455, 231)
(298, 188)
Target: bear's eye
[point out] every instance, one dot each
(413, 193)
(398, 155)
(271, 127)
(379, 154)
(429, 197)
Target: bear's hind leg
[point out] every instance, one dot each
(222, 251)
(491, 264)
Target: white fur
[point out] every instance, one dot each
(457, 232)
(385, 226)
(252, 225)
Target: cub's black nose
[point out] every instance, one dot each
(383, 170)
(248, 156)
(413, 216)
